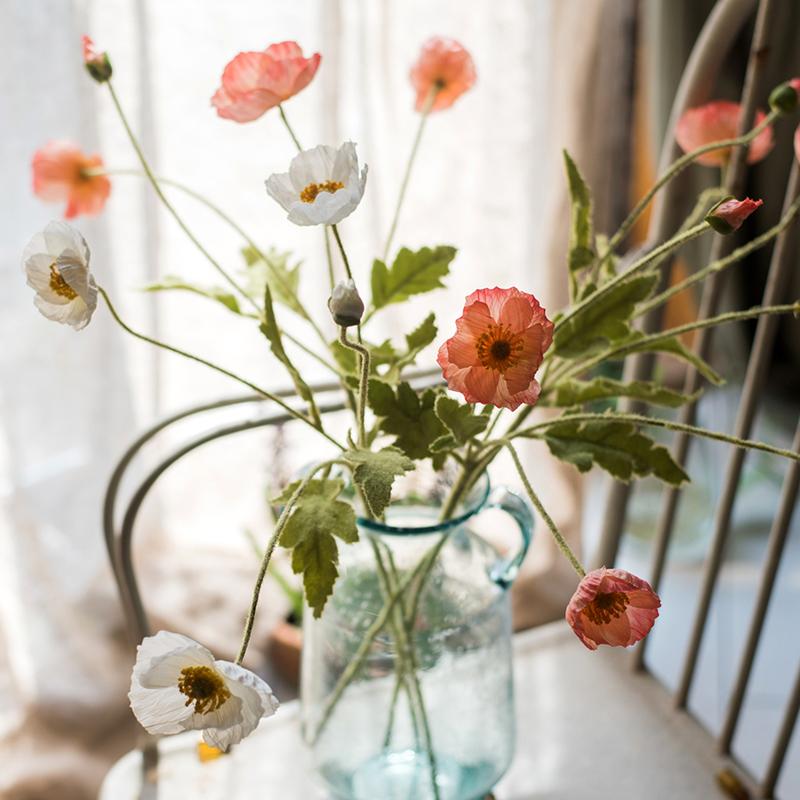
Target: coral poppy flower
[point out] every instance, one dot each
(445, 65)
(728, 216)
(498, 346)
(62, 172)
(716, 121)
(254, 82)
(614, 607)
(178, 686)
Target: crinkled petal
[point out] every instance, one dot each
(312, 166)
(280, 188)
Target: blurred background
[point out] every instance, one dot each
(594, 76)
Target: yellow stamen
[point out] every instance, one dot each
(309, 194)
(204, 687)
(498, 347)
(59, 285)
(605, 607)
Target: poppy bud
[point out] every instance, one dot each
(345, 304)
(786, 97)
(728, 215)
(97, 64)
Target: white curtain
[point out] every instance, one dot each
(488, 180)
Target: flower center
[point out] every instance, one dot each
(204, 687)
(605, 607)
(59, 285)
(499, 348)
(309, 194)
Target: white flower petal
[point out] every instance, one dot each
(345, 167)
(257, 701)
(161, 711)
(160, 658)
(312, 166)
(279, 187)
(60, 237)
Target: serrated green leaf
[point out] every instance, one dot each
(674, 347)
(271, 268)
(374, 474)
(420, 337)
(408, 416)
(575, 393)
(309, 532)
(604, 320)
(615, 446)
(460, 419)
(411, 273)
(269, 327)
(443, 443)
(173, 282)
(581, 253)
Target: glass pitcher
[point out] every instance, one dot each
(406, 686)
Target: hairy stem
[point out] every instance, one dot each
(363, 383)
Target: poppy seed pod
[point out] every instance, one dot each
(345, 304)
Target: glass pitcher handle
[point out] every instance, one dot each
(505, 570)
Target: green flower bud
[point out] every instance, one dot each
(786, 97)
(345, 304)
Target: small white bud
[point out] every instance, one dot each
(345, 304)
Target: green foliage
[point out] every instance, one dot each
(273, 270)
(672, 346)
(575, 393)
(269, 327)
(614, 445)
(581, 253)
(374, 474)
(347, 359)
(460, 420)
(173, 282)
(315, 519)
(411, 273)
(604, 320)
(408, 416)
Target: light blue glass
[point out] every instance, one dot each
(371, 744)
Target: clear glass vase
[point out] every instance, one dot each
(407, 687)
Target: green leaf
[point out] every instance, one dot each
(173, 282)
(581, 253)
(269, 327)
(416, 341)
(374, 474)
(603, 320)
(615, 446)
(459, 419)
(408, 416)
(309, 532)
(411, 273)
(673, 347)
(575, 393)
(273, 270)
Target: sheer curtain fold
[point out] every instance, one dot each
(489, 180)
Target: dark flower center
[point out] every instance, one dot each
(498, 347)
(204, 687)
(605, 607)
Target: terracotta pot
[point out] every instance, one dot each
(283, 648)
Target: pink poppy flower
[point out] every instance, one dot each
(713, 122)
(614, 607)
(443, 64)
(62, 172)
(97, 64)
(254, 82)
(498, 346)
(728, 216)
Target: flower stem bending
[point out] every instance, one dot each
(548, 520)
(217, 368)
(282, 520)
(678, 166)
(363, 383)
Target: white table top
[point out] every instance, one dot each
(587, 727)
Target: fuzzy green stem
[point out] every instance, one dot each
(363, 383)
(678, 166)
(329, 257)
(342, 251)
(282, 520)
(426, 110)
(288, 127)
(257, 389)
(658, 422)
(548, 520)
(723, 263)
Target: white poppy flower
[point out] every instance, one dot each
(322, 186)
(56, 262)
(178, 686)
